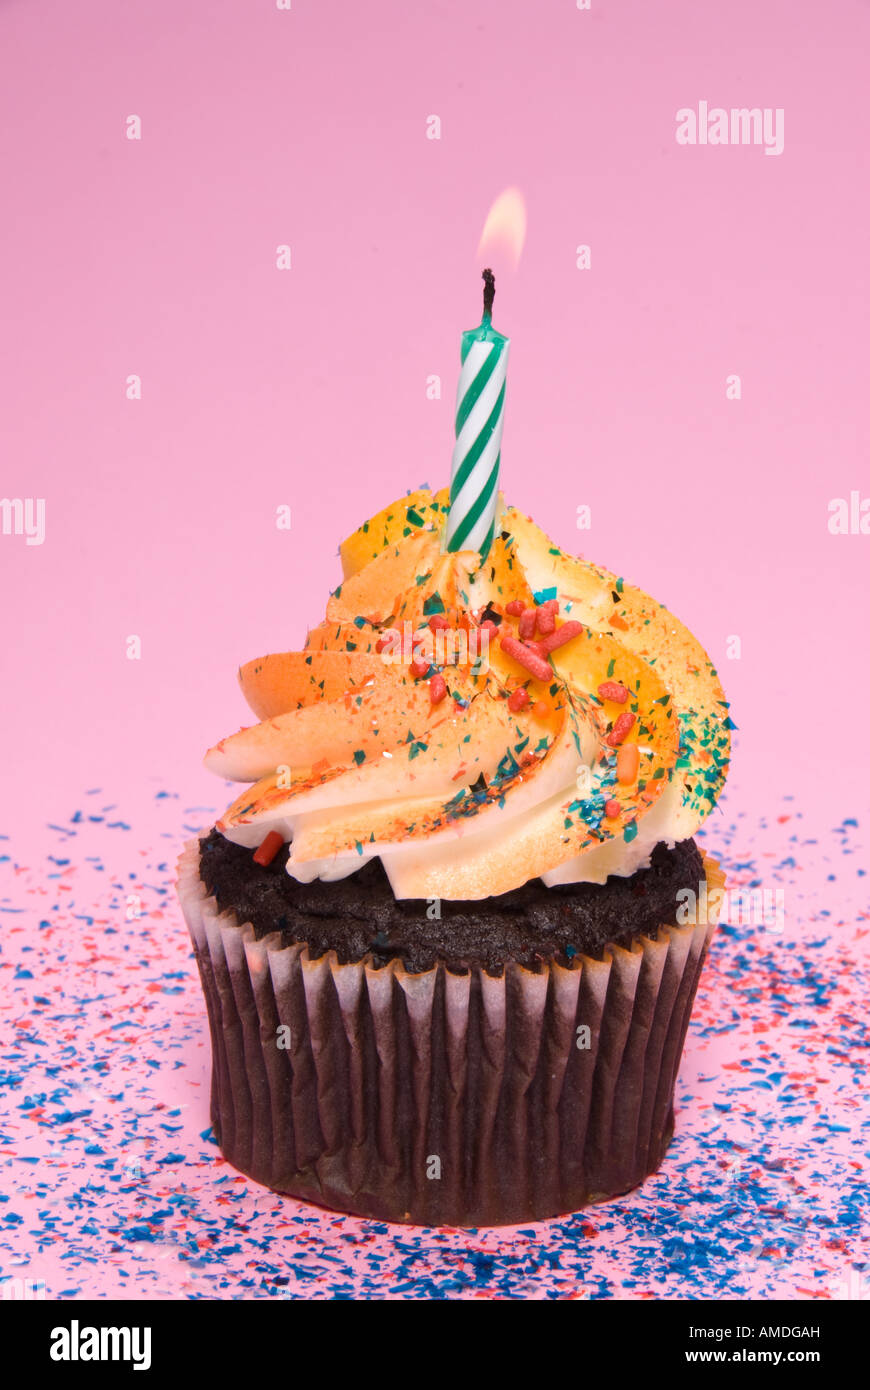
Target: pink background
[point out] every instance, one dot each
(308, 387)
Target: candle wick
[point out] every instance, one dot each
(488, 293)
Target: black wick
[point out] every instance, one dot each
(488, 293)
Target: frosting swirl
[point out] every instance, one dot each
(476, 724)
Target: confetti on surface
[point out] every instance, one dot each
(111, 1185)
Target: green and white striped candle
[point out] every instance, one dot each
(479, 425)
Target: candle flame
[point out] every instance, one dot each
(504, 231)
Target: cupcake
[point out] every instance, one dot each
(445, 934)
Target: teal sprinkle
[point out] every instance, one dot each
(508, 767)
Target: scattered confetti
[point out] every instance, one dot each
(113, 1186)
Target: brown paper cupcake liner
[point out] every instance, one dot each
(442, 1099)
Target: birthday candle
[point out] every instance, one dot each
(479, 424)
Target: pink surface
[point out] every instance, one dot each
(307, 387)
(112, 1186)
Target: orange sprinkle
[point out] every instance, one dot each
(541, 710)
(617, 621)
(627, 764)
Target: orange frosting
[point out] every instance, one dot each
(473, 792)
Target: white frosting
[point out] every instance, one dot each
(457, 847)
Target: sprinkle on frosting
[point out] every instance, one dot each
(584, 722)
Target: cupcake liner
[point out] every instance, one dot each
(442, 1099)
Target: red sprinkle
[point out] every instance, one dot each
(419, 667)
(437, 688)
(489, 626)
(527, 622)
(518, 699)
(382, 642)
(551, 603)
(612, 690)
(620, 729)
(538, 648)
(529, 660)
(546, 617)
(612, 809)
(269, 848)
(515, 607)
(438, 621)
(566, 633)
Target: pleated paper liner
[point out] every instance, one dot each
(441, 1099)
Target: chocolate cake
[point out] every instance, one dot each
(358, 916)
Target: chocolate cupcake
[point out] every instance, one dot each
(439, 939)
